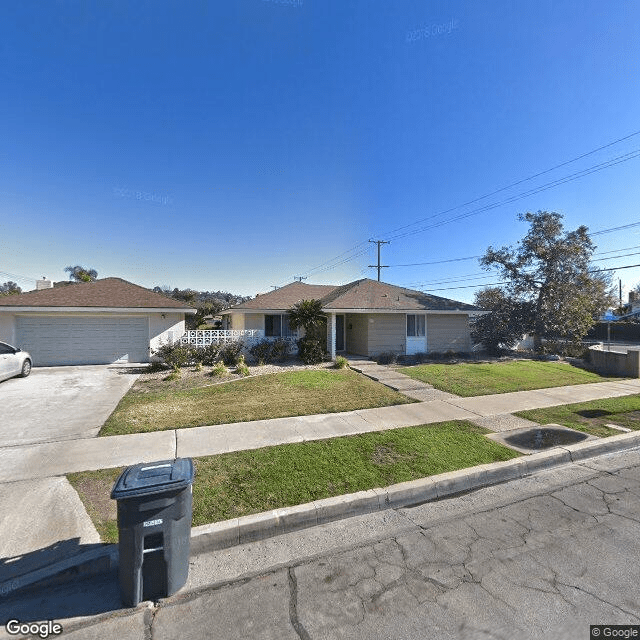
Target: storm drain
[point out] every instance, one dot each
(533, 439)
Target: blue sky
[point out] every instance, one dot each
(235, 145)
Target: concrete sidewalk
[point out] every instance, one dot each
(59, 458)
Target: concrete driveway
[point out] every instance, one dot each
(61, 403)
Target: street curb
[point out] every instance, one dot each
(221, 535)
(259, 526)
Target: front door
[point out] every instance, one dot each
(416, 333)
(339, 333)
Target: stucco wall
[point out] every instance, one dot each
(448, 332)
(616, 363)
(357, 335)
(165, 329)
(386, 332)
(254, 321)
(8, 328)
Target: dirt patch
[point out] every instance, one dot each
(384, 455)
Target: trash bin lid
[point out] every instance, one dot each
(149, 478)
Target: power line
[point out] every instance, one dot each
(328, 265)
(6, 274)
(493, 284)
(579, 174)
(513, 184)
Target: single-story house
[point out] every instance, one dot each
(102, 322)
(365, 317)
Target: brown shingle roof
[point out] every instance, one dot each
(285, 297)
(361, 294)
(371, 294)
(107, 292)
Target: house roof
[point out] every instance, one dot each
(360, 295)
(374, 295)
(104, 293)
(284, 297)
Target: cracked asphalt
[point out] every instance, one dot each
(540, 557)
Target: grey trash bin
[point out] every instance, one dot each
(154, 528)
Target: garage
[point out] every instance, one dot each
(100, 322)
(83, 340)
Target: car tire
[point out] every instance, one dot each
(26, 368)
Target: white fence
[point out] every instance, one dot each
(249, 337)
(202, 338)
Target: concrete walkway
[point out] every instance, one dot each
(59, 458)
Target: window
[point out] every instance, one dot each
(277, 326)
(415, 325)
(5, 348)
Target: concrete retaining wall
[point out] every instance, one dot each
(615, 362)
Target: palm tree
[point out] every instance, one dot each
(82, 274)
(308, 314)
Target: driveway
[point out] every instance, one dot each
(61, 403)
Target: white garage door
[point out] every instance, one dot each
(83, 340)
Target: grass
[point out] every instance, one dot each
(501, 377)
(276, 395)
(591, 416)
(245, 482)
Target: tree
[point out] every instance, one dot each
(506, 323)
(309, 315)
(81, 274)
(550, 272)
(203, 309)
(9, 288)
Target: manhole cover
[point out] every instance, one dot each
(540, 438)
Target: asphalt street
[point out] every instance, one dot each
(541, 557)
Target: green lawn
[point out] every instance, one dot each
(244, 482)
(591, 416)
(500, 377)
(276, 395)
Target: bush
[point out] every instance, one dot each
(387, 357)
(342, 363)
(310, 350)
(267, 351)
(176, 354)
(210, 354)
(219, 370)
(241, 367)
(279, 350)
(174, 375)
(261, 351)
(230, 352)
(570, 349)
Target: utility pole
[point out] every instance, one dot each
(620, 291)
(379, 266)
(299, 278)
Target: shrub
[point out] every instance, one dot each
(310, 350)
(241, 367)
(156, 366)
(176, 354)
(174, 375)
(210, 354)
(267, 351)
(387, 357)
(198, 366)
(342, 363)
(279, 350)
(219, 370)
(261, 351)
(571, 349)
(230, 352)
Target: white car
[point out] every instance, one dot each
(13, 362)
